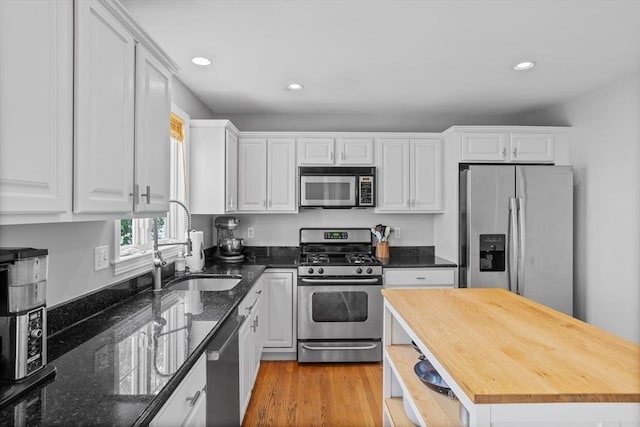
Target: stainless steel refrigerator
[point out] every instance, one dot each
(516, 231)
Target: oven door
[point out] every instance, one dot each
(339, 308)
(327, 191)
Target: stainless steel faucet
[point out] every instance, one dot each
(158, 261)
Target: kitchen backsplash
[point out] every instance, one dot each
(283, 229)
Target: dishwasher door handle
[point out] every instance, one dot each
(217, 353)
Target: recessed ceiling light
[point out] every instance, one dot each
(199, 60)
(295, 86)
(524, 65)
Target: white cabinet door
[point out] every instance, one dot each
(245, 349)
(152, 137)
(252, 174)
(214, 167)
(531, 147)
(484, 146)
(426, 175)
(281, 175)
(393, 175)
(36, 107)
(231, 167)
(280, 309)
(104, 111)
(355, 151)
(316, 151)
(187, 404)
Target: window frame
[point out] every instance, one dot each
(141, 259)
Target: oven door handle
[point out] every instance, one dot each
(354, 281)
(363, 347)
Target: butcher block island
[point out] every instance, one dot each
(508, 362)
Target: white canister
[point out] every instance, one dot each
(195, 262)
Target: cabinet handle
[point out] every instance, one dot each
(504, 152)
(342, 156)
(332, 155)
(192, 400)
(257, 321)
(135, 194)
(514, 151)
(148, 194)
(264, 203)
(421, 278)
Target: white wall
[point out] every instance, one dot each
(283, 229)
(605, 151)
(428, 122)
(187, 101)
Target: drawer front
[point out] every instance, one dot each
(418, 277)
(179, 406)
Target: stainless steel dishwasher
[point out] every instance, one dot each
(223, 375)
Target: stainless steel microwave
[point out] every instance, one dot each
(337, 187)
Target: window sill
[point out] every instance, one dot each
(143, 261)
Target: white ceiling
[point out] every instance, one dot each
(393, 56)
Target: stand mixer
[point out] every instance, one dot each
(229, 246)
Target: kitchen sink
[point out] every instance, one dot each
(205, 282)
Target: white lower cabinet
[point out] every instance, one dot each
(250, 343)
(419, 277)
(187, 406)
(280, 311)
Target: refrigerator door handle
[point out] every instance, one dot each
(512, 266)
(521, 240)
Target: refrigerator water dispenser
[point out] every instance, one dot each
(492, 252)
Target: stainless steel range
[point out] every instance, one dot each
(339, 296)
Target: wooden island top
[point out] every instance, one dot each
(503, 348)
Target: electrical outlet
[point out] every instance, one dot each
(397, 232)
(250, 233)
(101, 260)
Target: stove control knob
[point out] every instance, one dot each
(36, 333)
(358, 270)
(320, 270)
(369, 270)
(310, 271)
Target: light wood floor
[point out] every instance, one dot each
(333, 394)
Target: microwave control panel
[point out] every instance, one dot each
(365, 187)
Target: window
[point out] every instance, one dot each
(133, 236)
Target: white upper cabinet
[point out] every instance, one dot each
(506, 145)
(152, 140)
(104, 111)
(317, 150)
(252, 174)
(266, 174)
(214, 167)
(120, 164)
(409, 175)
(281, 175)
(36, 110)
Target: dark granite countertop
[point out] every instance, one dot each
(112, 371)
(415, 257)
(119, 367)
